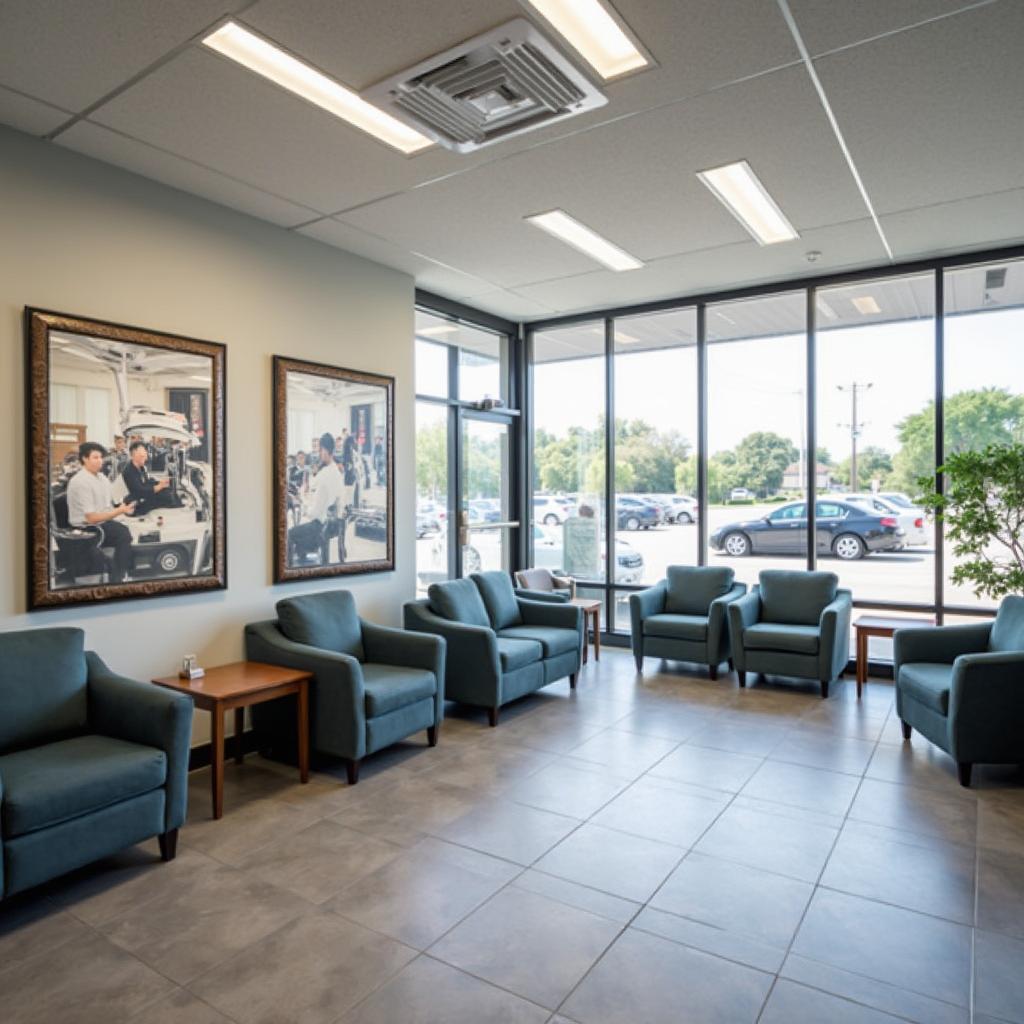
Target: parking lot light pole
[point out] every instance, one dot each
(855, 425)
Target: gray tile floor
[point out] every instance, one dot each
(644, 850)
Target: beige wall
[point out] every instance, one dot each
(80, 237)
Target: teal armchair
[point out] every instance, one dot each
(90, 762)
(372, 685)
(500, 646)
(684, 616)
(792, 624)
(962, 687)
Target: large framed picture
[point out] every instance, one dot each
(334, 510)
(125, 461)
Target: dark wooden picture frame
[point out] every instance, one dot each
(337, 526)
(122, 388)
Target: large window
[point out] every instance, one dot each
(876, 435)
(984, 373)
(757, 434)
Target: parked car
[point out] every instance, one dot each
(547, 554)
(911, 519)
(549, 510)
(635, 514)
(684, 509)
(845, 530)
(426, 525)
(436, 509)
(740, 494)
(484, 510)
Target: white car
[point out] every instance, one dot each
(549, 510)
(911, 519)
(740, 494)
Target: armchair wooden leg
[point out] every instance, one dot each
(713, 672)
(492, 716)
(742, 677)
(432, 731)
(905, 726)
(963, 771)
(352, 769)
(168, 844)
(572, 681)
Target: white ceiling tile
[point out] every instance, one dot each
(828, 24)
(217, 113)
(935, 113)
(29, 115)
(633, 182)
(103, 144)
(980, 221)
(512, 306)
(732, 266)
(73, 53)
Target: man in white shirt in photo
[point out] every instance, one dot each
(90, 503)
(327, 488)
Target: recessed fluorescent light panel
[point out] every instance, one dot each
(588, 242)
(251, 51)
(866, 305)
(738, 189)
(435, 332)
(591, 29)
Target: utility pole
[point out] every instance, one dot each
(855, 425)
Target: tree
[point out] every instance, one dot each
(761, 460)
(973, 421)
(873, 463)
(432, 461)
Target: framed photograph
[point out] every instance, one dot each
(334, 510)
(125, 462)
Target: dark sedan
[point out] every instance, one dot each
(843, 529)
(634, 514)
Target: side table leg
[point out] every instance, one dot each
(217, 760)
(303, 717)
(239, 729)
(862, 660)
(597, 634)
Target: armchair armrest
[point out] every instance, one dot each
(542, 595)
(547, 613)
(643, 604)
(411, 650)
(718, 618)
(150, 715)
(470, 649)
(834, 642)
(337, 696)
(986, 706)
(942, 644)
(743, 612)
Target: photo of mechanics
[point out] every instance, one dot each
(131, 490)
(336, 496)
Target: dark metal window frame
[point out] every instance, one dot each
(810, 286)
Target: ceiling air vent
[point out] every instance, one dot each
(507, 81)
(995, 278)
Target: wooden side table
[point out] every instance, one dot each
(236, 687)
(591, 615)
(876, 625)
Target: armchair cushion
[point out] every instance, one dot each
(327, 620)
(42, 686)
(677, 627)
(796, 598)
(459, 601)
(515, 654)
(772, 636)
(553, 639)
(390, 687)
(1008, 629)
(46, 785)
(499, 598)
(928, 683)
(691, 588)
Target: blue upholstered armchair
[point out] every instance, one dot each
(962, 687)
(90, 762)
(500, 646)
(792, 624)
(684, 616)
(372, 686)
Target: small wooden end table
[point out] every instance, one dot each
(592, 612)
(236, 687)
(877, 625)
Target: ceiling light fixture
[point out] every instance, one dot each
(824, 307)
(866, 304)
(626, 339)
(433, 332)
(251, 51)
(591, 29)
(587, 241)
(739, 190)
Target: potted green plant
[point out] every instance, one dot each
(982, 510)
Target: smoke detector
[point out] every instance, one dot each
(510, 80)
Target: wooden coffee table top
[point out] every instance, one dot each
(588, 604)
(239, 679)
(882, 624)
